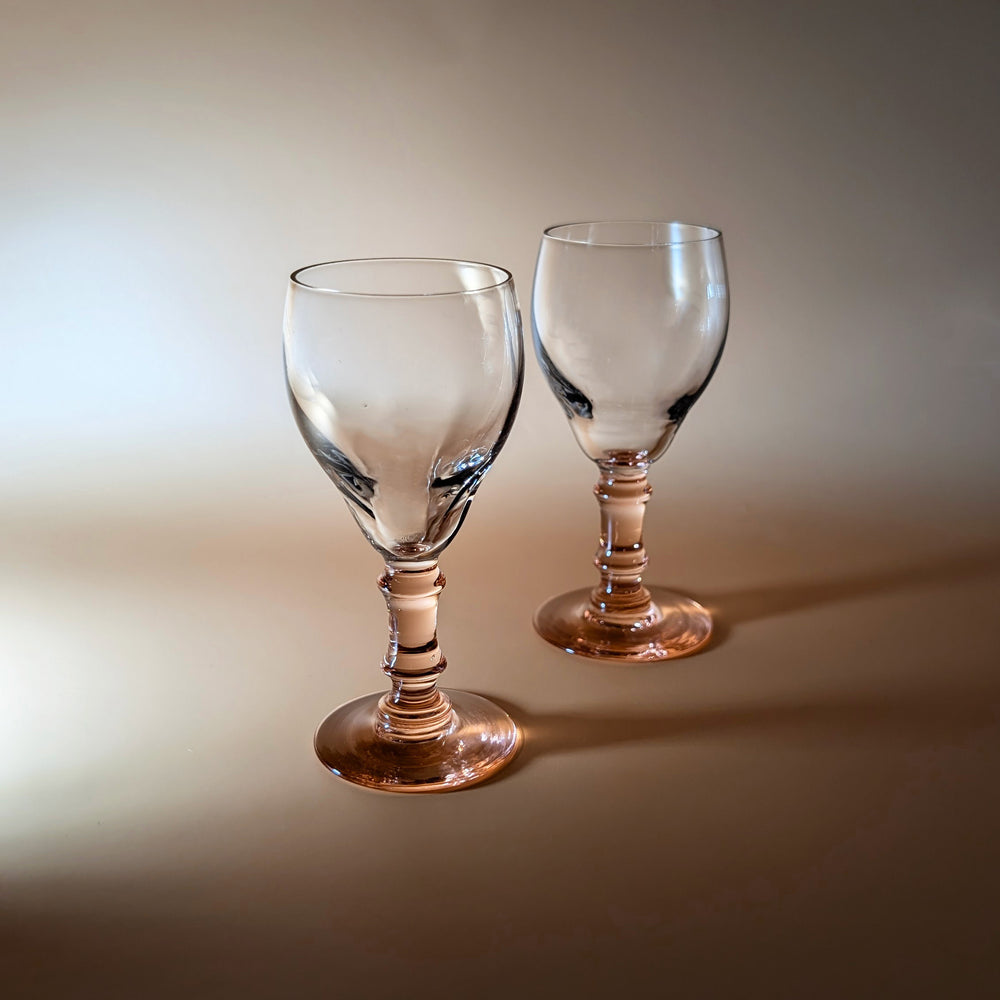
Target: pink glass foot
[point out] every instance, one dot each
(672, 626)
(479, 740)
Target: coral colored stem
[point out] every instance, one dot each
(621, 599)
(414, 709)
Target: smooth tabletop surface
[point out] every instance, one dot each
(806, 808)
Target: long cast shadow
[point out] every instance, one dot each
(736, 607)
(890, 719)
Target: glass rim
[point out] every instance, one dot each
(507, 277)
(704, 233)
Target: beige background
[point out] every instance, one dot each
(807, 809)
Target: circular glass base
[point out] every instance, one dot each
(679, 627)
(481, 740)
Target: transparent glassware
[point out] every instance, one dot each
(404, 376)
(630, 319)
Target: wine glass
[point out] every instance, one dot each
(630, 319)
(404, 375)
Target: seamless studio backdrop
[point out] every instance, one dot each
(184, 596)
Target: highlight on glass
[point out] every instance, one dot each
(404, 376)
(630, 319)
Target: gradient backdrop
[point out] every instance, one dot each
(807, 809)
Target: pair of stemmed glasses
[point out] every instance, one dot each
(405, 374)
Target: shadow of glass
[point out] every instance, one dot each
(737, 607)
(934, 713)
